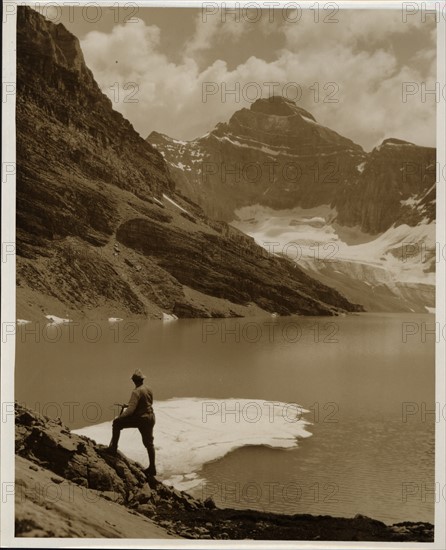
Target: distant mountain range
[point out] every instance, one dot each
(104, 228)
(274, 161)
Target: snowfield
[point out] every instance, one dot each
(395, 269)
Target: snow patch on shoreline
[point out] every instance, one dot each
(169, 317)
(191, 432)
(55, 320)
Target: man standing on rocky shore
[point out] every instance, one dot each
(138, 414)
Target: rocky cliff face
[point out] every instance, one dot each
(101, 230)
(277, 155)
(396, 185)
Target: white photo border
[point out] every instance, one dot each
(8, 294)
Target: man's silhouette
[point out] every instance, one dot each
(138, 414)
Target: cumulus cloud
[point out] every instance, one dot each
(208, 31)
(351, 27)
(347, 74)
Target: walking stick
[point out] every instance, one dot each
(122, 405)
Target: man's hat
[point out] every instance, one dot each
(138, 374)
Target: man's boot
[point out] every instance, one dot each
(151, 470)
(113, 447)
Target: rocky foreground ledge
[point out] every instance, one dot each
(67, 486)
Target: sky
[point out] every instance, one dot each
(172, 70)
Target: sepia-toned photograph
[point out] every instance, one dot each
(226, 319)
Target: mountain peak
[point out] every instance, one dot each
(60, 45)
(279, 106)
(394, 144)
(395, 141)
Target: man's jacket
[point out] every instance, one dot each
(140, 403)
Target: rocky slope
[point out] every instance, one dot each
(101, 230)
(275, 156)
(67, 486)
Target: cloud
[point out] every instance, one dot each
(213, 31)
(356, 56)
(352, 27)
(204, 36)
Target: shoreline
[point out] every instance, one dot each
(90, 493)
(34, 307)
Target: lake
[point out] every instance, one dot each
(365, 445)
